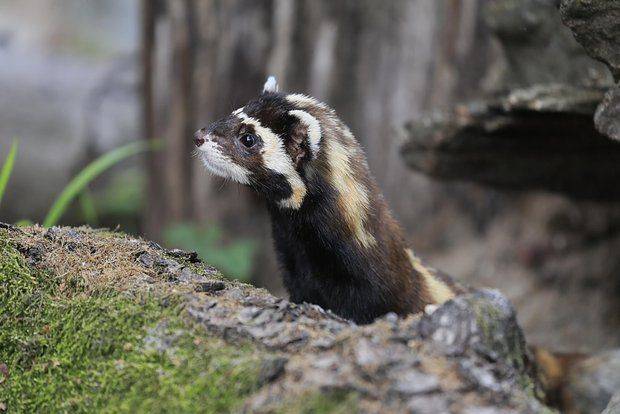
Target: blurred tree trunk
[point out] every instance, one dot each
(380, 64)
(376, 63)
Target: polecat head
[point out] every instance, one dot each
(267, 144)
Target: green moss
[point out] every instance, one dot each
(80, 353)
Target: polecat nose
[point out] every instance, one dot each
(199, 137)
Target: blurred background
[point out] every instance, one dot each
(477, 119)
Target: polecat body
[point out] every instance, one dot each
(336, 240)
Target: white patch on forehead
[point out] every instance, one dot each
(276, 159)
(220, 164)
(238, 111)
(314, 129)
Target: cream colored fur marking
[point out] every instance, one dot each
(277, 159)
(353, 197)
(304, 101)
(220, 164)
(436, 288)
(314, 129)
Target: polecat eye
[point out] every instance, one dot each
(248, 140)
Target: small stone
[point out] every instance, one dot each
(146, 259)
(268, 331)
(7, 226)
(192, 256)
(72, 234)
(327, 362)
(432, 404)
(367, 355)
(235, 294)
(155, 246)
(248, 313)
(271, 369)
(210, 286)
(52, 233)
(429, 309)
(324, 342)
(34, 254)
(168, 264)
(415, 382)
(391, 317)
(481, 376)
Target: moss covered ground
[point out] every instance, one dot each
(72, 341)
(108, 352)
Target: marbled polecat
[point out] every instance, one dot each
(336, 240)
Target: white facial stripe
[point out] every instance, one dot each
(353, 198)
(276, 159)
(220, 164)
(314, 129)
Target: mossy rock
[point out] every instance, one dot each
(70, 348)
(94, 321)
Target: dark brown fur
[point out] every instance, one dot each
(323, 257)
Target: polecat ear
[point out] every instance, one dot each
(271, 85)
(308, 130)
(297, 144)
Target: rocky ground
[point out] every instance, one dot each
(96, 320)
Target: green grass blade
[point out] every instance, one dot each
(89, 210)
(7, 168)
(92, 171)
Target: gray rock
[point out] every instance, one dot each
(492, 142)
(182, 254)
(428, 404)
(595, 24)
(484, 322)
(410, 382)
(210, 286)
(539, 49)
(614, 405)
(271, 369)
(607, 116)
(594, 381)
